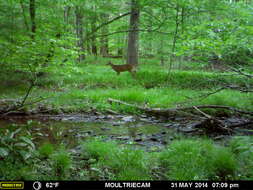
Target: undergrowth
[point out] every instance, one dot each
(188, 159)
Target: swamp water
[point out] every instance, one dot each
(70, 130)
(141, 132)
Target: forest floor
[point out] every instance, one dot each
(87, 87)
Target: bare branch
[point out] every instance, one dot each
(239, 71)
(126, 31)
(106, 23)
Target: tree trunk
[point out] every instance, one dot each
(79, 33)
(32, 15)
(120, 41)
(66, 14)
(160, 51)
(104, 49)
(132, 50)
(172, 56)
(93, 30)
(24, 15)
(149, 43)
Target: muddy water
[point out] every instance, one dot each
(70, 130)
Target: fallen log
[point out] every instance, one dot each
(208, 123)
(173, 111)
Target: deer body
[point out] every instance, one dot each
(122, 68)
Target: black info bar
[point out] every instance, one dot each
(101, 185)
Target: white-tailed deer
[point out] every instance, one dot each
(122, 68)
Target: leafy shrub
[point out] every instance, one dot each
(15, 171)
(16, 144)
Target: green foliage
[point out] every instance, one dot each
(97, 149)
(198, 160)
(17, 153)
(223, 163)
(242, 147)
(129, 164)
(16, 144)
(17, 171)
(121, 163)
(201, 32)
(91, 86)
(61, 163)
(46, 150)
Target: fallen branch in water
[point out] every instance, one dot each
(211, 124)
(19, 106)
(208, 123)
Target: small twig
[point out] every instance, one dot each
(27, 93)
(203, 113)
(112, 112)
(206, 95)
(203, 96)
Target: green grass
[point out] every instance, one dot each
(189, 159)
(186, 159)
(121, 163)
(198, 159)
(242, 147)
(46, 150)
(61, 163)
(77, 88)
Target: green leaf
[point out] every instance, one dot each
(3, 152)
(21, 144)
(15, 132)
(25, 155)
(28, 141)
